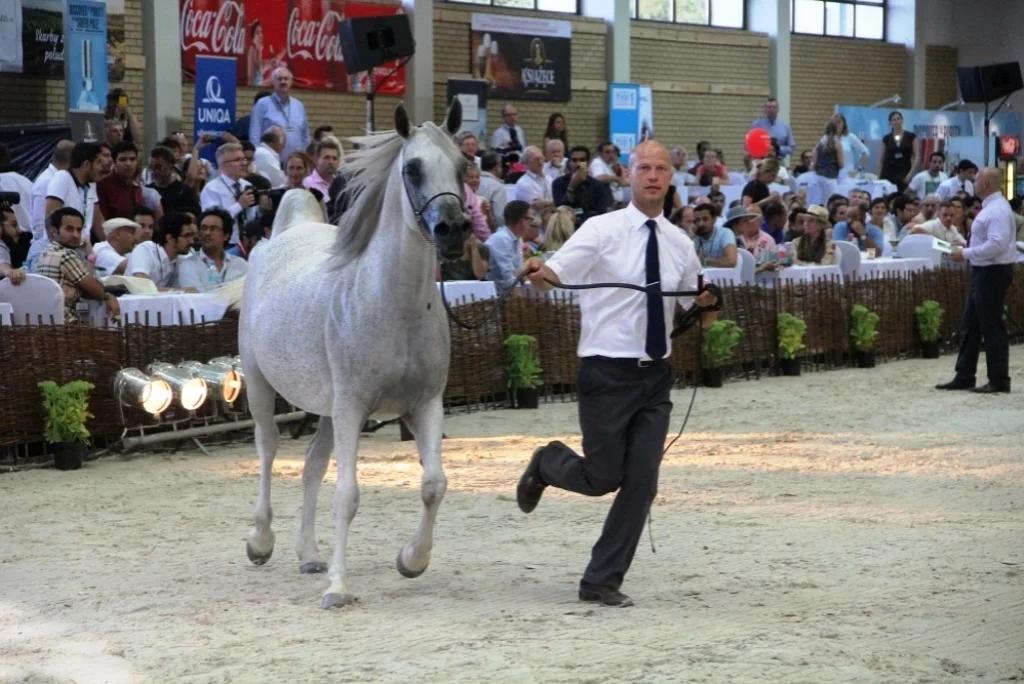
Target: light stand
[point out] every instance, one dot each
(371, 89)
(988, 120)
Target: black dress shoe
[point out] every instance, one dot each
(531, 486)
(956, 384)
(991, 388)
(605, 596)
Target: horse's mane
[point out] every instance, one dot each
(366, 172)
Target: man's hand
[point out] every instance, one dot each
(113, 306)
(707, 299)
(247, 198)
(533, 269)
(16, 276)
(957, 254)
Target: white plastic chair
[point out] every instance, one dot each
(39, 298)
(849, 259)
(746, 266)
(920, 246)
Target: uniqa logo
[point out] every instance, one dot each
(213, 91)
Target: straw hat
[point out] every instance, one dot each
(739, 213)
(821, 213)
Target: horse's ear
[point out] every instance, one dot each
(402, 125)
(453, 120)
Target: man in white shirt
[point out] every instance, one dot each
(928, 181)
(12, 181)
(992, 255)
(941, 226)
(283, 110)
(681, 177)
(509, 136)
(554, 159)
(963, 181)
(155, 260)
(76, 187)
(111, 255)
(533, 187)
(492, 188)
(625, 379)
(605, 168)
(266, 159)
(60, 161)
(229, 190)
(211, 266)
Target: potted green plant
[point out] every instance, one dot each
(67, 409)
(863, 332)
(929, 320)
(791, 330)
(717, 346)
(523, 370)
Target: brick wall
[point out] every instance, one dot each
(940, 75)
(707, 83)
(827, 71)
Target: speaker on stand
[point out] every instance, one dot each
(987, 84)
(368, 42)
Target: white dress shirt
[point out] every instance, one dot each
(107, 259)
(64, 187)
(502, 138)
(950, 234)
(200, 272)
(152, 260)
(15, 182)
(493, 190)
(551, 172)
(598, 167)
(612, 247)
(531, 187)
(948, 188)
(268, 164)
(221, 193)
(38, 208)
(992, 234)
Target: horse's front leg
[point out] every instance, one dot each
(317, 455)
(426, 422)
(346, 501)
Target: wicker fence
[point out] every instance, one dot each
(29, 354)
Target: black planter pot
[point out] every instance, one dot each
(790, 366)
(68, 455)
(711, 377)
(865, 359)
(930, 350)
(527, 397)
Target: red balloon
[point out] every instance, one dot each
(759, 143)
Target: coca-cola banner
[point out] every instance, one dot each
(522, 58)
(303, 35)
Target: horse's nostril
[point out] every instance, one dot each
(441, 229)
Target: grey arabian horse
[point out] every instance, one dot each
(344, 321)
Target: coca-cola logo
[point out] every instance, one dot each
(316, 40)
(220, 32)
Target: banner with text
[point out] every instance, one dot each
(85, 38)
(42, 39)
(214, 108)
(522, 58)
(264, 34)
(630, 116)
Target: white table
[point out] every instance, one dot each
(171, 308)
(6, 314)
(465, 291)
(870, 268)
(723, 276)
(798, 274)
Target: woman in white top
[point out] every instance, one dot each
(855, 152)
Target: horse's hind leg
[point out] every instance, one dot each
(347, 422)
(260, 544)
(317, 454)
(426, 422)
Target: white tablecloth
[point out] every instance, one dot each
(798, 274)
(464, 291)
(723, 276)
(6, 314)
(171, 308)
(888, 265)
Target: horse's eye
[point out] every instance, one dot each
(413, 171)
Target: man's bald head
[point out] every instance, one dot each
(649, 150)
(987, 182)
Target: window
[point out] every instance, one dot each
(566, 6)
(847, 18)
(721, 13)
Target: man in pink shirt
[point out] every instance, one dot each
(328, 159)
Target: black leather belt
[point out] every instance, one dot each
(639, 363)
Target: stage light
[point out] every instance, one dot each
(224, 379)
(232, 362)
(133, 387)
(190, 390)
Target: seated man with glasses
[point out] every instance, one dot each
(230, 191)
(579, 190)
(522, 224)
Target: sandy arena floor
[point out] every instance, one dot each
(850, 526)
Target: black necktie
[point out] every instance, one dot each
(513, 135)
(655, 345)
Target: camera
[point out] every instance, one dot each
(9, 199)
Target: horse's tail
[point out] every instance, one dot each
(297, 206)
(231, 293)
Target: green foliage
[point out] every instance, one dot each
(67, 409)
(719, 342)
(863, 327)
(929, 320)
(791, 331)
(523, 365)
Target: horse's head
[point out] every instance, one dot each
(432, 171)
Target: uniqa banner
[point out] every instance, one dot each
(522, 58)
(265, 34)
(214, 109)
(85, 39)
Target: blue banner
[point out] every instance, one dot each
(214, 110)
(85, 50)
(624, 117)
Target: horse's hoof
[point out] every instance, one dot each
(313, 567)
(256, 557)
(406, 572)
(337, 601)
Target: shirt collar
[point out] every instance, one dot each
(990, 199)
(638, 219)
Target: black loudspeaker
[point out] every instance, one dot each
(367, 42)
(990, 82)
